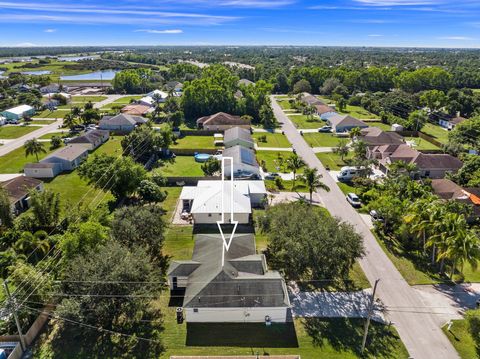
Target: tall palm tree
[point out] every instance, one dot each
(313, 180)
(69, 120)
(33, 147)
(294, 163)
(341, 149)
(418, 219)
(463, 246)
(355, 133)
(399, 167)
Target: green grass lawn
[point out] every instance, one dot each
(41, 122)
(113, 147)
(357, 112)
(11, 132)
(462, 339)
(273, 140)
(171, 201)
(52, 114)
(439, 133)
(284, 104)
(421, 144)
(194, 142)
(319, 139)
(50, 135)
(332, 160)
(127, 99)
(287, 186)
(14, 161)
(271, 159)
(346, 188)
(381, 125)
(179, 242)
(301, 121)
(182, 166)
(88, 98)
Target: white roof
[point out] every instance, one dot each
(158, 92)
(188, 192)
(20, 110)
(244, 187)
(63, 94)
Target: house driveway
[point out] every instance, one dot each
(323, 304)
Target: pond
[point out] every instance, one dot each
(36, 73)
(97, 75)
(78, 58)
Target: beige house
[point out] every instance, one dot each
(222, 121)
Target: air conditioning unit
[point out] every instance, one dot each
(179, 312)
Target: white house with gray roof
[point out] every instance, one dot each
(242, 290)
(344, 123)
(237, 136)
(244, 162)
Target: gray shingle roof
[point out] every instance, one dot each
(235, 133)
(18, 187)
(222, 118)
(241, 154)
(346, 120)
(68, 153)
(123, 119)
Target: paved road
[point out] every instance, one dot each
(108, 100)
(18, 142)
(417, 327)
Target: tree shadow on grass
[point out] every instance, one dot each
(277, 335)
(345, 335)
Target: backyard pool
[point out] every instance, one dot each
(202, 157)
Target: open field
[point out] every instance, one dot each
(182, 166)
(381, 125)
(85, 99)
(319, 139)
(273, 140)
(52, 114)
(355, 111)
(332, 160)
(41, 122)
(284, 104)
(436, 131)
(14, 161)
(271, 160)
(16, 131)
(50, 135)
(194, 142)
(127, 99)
(421, 144)
(301, 121)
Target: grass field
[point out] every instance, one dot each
(301, 121)
(194, 142)
(462, 339)
(127, 99)
(41, 122)
(284, 104)
(271, 159)
(440, 134)
(287, 186)
(273, 140)
(11, 132)
(179, 242)
(50, 135)
(85, 99)
(13, 162)
(52, 114)
(112, 147)
(355, 111)
(381, 125)
(318, 139)
(332, 160)
(421, 144)
(182, 166)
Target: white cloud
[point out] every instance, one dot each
(398, 2)
(150, 31)
(50, 30)
(375, 35)
(458, 38)
(26, 44)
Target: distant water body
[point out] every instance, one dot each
(36, 73)
(97, 75)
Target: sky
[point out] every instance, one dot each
(402, 23)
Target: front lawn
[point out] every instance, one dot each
(346, 188)
(52, 114)
(11, 132)
(287, 186)
(194, 142)
(284, 104)
(461, 338)
(273, 140)
(271, 159)
(49, 136)
(421, 144)
(302, 121)
(319, 139)
(86, 99)
(127, 99)
(41, 122)
(182, 166)
(332, 160)
(14, 161)
(437, 132)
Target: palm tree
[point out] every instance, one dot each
(464, 246)
(294, 163)
(69, 120)
(341, 149)
(355, 133)
(33, 147)
(398, 167)
(313, 180)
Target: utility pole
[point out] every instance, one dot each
(369, 315)
(17, 322)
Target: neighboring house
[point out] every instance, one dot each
(18, 191)
(121, 123)
(450, 124)
(244, 162)
(240, 290)
(69, 157)
(311, 100)
(92, 139)
(428, 165)
(3, 120)
(204, 201)
(15, 114)
(374, 136)
(136, 110)
(324, 111)
(174, 86)
(50, 99)
(238, 136)
(344, 123)
(42, 170)
(245, 82)
(52, 88)
(222, 121)
(449, 190)
(149, 100)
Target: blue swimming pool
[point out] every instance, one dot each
(202, 157)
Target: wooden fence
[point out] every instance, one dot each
(199, 132)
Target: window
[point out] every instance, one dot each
(195, 310)
(209, 214)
